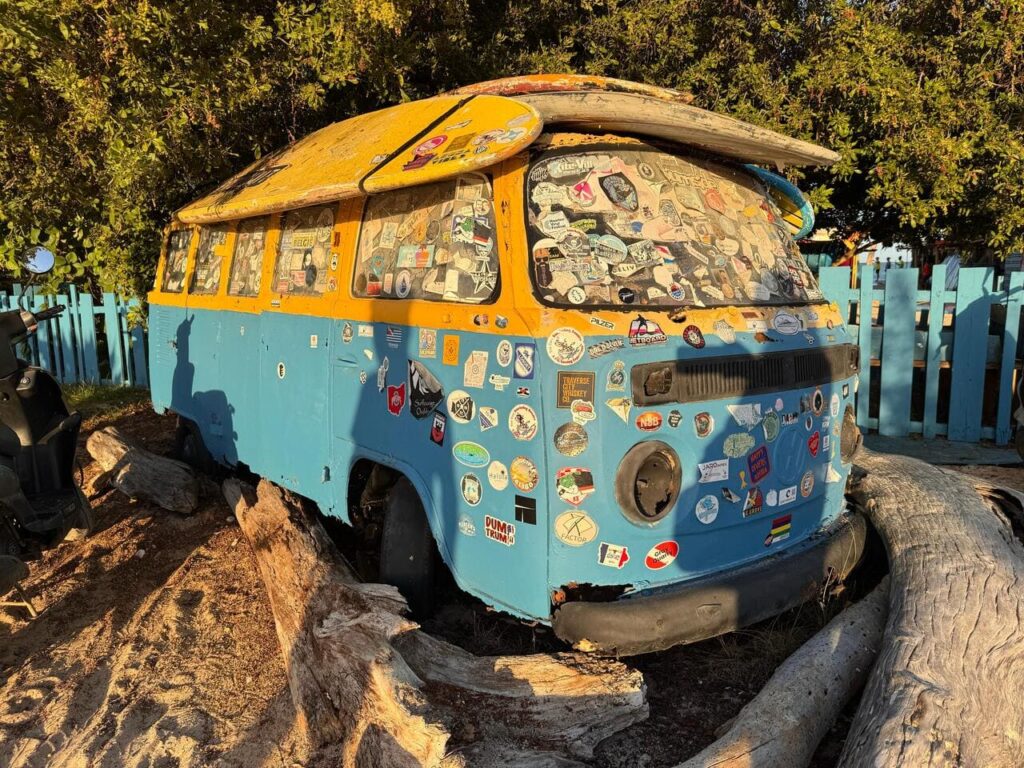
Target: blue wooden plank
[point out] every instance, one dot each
(933, 353)
(864, 310)
(112, 331)
(835, 284)
(67, 343)
(897, 352)
(89, 352)
(139, 352)
(74, 313)
(126, 341)
(970, 346)
(1014, 302)
(42, 336)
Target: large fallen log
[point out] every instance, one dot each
(141, 474)
(783, 725)
(366, 678)
(945, 689)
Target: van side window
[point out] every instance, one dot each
(209, 256)
(434, 242)
(304, 250)
(247, 261)
(177, 255)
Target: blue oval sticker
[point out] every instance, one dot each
(471, 454)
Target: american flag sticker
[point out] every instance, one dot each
(393, 335)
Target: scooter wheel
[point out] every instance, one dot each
(408, 554)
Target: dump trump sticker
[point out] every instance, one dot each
(499, 531)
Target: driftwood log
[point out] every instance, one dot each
(946, 688)
(364, 677)
(141, 474)
(786, 721)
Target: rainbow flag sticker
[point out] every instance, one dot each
(780, 530)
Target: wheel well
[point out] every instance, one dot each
(368, 486)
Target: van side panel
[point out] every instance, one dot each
(293, 412)
(491, 534)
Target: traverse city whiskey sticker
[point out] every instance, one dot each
(574, 385)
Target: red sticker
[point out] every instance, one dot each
(648, 421)
(661, 555)
(813, 442)
(396, 398)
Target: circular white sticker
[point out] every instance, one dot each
(565, 346)
(834, 405)
(461, 406)
(575, 528)
(497, 476)
(403, 283)
(707, 509)
(522, 422)
(504, 353)
(472, 490)
(524, 474)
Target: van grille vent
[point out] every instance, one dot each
(738, 375)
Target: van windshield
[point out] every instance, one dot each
(621, 227)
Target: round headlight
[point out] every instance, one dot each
(850, 440)
(648, 481)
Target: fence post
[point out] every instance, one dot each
(65, 337)
(933, 353)
(139, 352)
(835, 285)
(970, 352)
(897, 359)
(112, 329)
(87, 316)
(865, 307)
(1014, 302)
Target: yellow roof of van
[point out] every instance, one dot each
(475, 127)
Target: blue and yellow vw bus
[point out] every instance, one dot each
(551, 332)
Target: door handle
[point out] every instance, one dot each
(349, 362)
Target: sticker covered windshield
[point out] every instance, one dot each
(619, 228)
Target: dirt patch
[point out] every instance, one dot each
(157, 648)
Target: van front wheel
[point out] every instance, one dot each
(408, 555)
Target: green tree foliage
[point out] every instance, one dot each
(114, 113)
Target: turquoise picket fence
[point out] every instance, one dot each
(934, 362)
(89, 342)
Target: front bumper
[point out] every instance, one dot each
(717, 604)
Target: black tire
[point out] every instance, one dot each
(190, 448)
(408, 554)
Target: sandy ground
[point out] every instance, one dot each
(157, 648)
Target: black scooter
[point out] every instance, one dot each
(40, 502)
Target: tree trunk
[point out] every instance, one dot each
(364, 677)
(945, 689)
(143, 475)
(786, 721)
